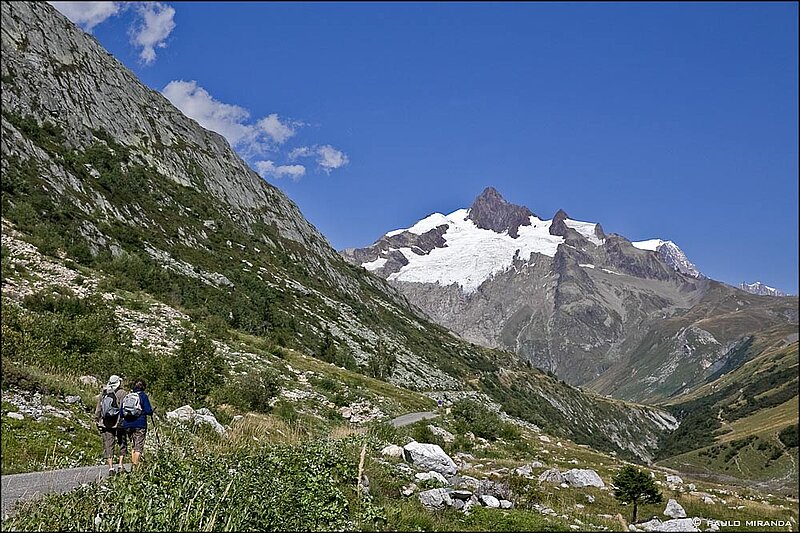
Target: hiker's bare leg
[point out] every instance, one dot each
(111, 462)
(135, 458)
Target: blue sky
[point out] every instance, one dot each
(677, 121)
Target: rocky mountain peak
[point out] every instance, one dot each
(493, 212)
(558, 226)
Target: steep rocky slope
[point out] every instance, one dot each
(593, 308)
(101, 172)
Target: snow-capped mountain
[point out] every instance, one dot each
(470, 246)
(557, 291)
(761, 289)
(671, 254)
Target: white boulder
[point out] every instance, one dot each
(392, 450)
(429, 457)
(489, 501)
(505, 504)
(674, 509)
(552, 475)
(675, 480)
(435, 498)
(201, 416)
(181, 414)
(583, 478)
(16, 416)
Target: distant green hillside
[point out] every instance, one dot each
(680, 354)
(743, 424)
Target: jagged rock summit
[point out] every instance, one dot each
(491, 211)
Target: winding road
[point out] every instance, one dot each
(410, 418)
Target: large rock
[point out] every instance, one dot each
(435, 498)
(442, 433)
(674, 509)
(583, 478)
(675, 480)
(552, 475)
(392, 450)
(489, 501)
(181, 414)
(201, 416)
(680, 524)
(429, 457)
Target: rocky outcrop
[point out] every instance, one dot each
(558, 226)
(491, 211)
(186, 414)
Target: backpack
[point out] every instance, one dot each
(109, 408)
(132, 405)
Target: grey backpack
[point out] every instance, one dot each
(132, 405)
(109, 408)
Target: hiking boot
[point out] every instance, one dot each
(111, 472)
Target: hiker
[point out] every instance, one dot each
(135, 410)
(107, 418)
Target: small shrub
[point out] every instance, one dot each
(252, 391)
(285, 411)
(788, 436)
(474, 417)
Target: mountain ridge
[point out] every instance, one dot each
(561, 293)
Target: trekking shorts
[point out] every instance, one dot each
(113, 436)
(137, 436)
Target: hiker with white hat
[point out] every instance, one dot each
(107, 418)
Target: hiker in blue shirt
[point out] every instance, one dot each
(135, 410)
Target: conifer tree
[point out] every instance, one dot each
(634, 486)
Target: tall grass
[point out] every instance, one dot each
(307, 486)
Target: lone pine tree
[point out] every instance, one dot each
(634, 486)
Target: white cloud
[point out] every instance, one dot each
(157, 22)
(87, 15)
(226, 119)
(153, 22)
(328, 157)
(252, 139)
(268, 168)
(278, 131)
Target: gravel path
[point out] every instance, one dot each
(17, 487)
